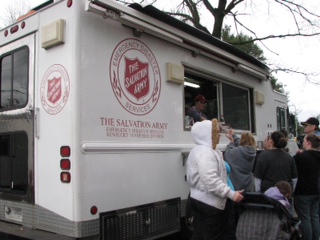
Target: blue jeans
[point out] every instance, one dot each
(307, 207)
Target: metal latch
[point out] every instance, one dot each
(184, 157)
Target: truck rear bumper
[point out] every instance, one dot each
(10, 229)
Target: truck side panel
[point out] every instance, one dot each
(106, 122)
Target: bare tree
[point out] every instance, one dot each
(303, 18)
(12, 11)
(304, 21)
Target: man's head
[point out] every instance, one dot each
(311, 125)
(200, 102)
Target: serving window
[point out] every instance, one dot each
(225, 101)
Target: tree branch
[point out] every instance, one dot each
(282, 36)
(309, 77)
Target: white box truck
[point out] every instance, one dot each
(93, 130)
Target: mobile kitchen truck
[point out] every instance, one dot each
(93, 127)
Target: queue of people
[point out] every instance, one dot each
(273, 172)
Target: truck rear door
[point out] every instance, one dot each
(17, 120)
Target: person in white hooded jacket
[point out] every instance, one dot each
(207, 176)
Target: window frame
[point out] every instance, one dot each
(11, 53)
(281, 118)
(219, 82)
(14, 155)
(249, 103)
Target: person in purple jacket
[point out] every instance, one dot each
(281, 192)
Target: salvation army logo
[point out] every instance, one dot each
(55, 87)
(54, 90)
(135, 77)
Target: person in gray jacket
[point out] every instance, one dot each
(240, 154)
(207, 177)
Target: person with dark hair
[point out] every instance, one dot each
(311, 126)
(274, 165)
(286, 135)
(197, 111)
(306, 194)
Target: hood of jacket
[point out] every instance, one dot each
(201, 133)
(248, 152)
(274, 193)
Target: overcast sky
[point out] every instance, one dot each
(301, 54)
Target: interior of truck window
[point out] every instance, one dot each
(229, 103)
(194, 86)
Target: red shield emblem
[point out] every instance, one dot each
(137, 80)
(54, 90)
